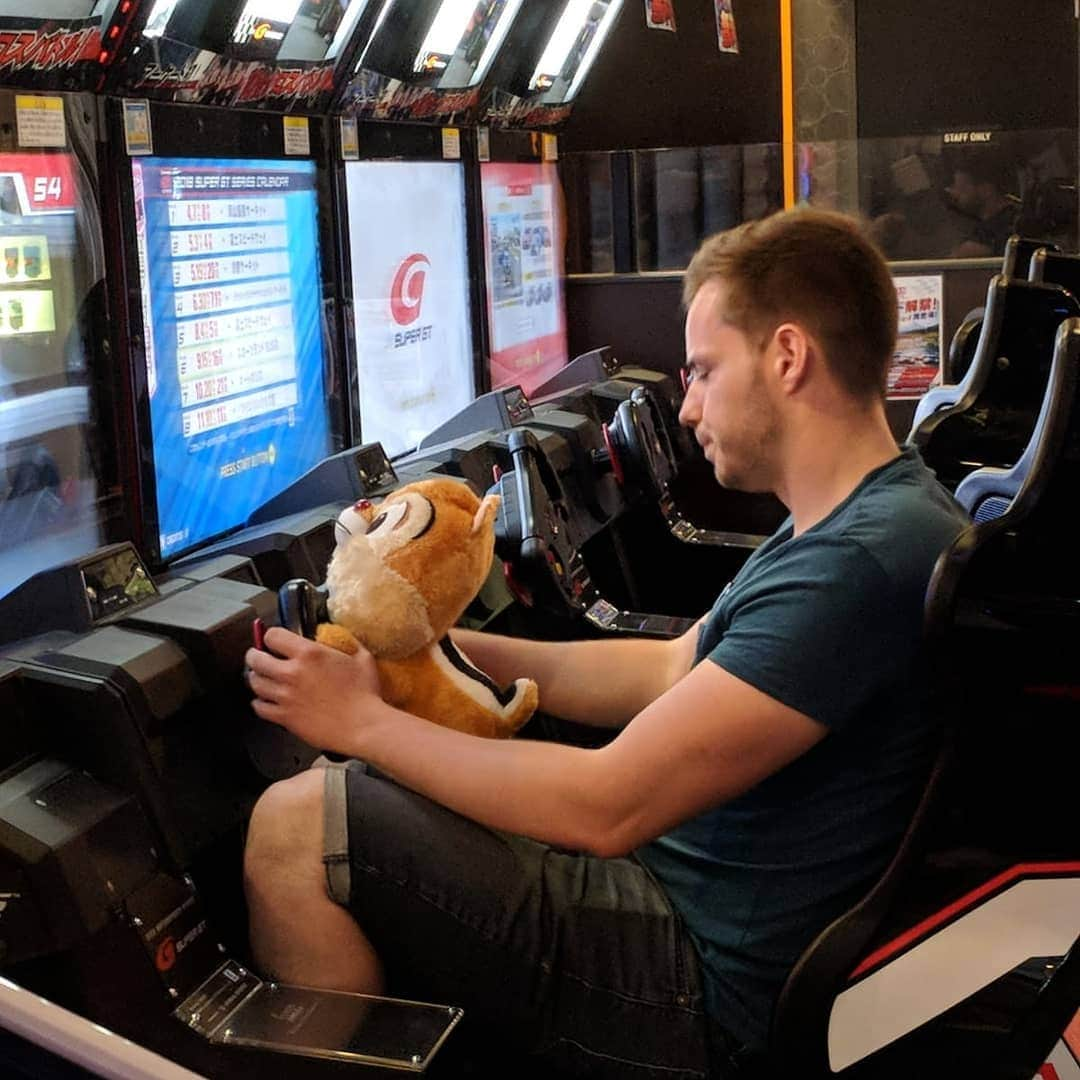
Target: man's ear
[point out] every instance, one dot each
(485, 514)
(793, 355)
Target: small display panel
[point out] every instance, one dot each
(115, 582)
(48, 308)
(373, 468)
(523, 249)
(229, 269)
(410, 277)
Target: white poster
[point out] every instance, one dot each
(410, 279)
(916, 364)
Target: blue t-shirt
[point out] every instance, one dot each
(829, 623)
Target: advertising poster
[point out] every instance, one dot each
(523, 251)
(725, 26)
(916, 364)
(410, 278)
(229, 267)
(660, 14)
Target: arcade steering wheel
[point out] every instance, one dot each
(533, 527)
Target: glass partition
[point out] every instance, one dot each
(51, 316)
(684, 195)
(953, 195)
(949, 196)
(590, 212)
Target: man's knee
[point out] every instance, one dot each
(285, 833)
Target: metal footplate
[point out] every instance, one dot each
(688, 533)
(235, 1008)
(607, 616)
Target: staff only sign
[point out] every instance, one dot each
(410, 297)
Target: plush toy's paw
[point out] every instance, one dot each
(337, 637)
(520, 707)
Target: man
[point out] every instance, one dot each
(623, 908)
(981, 189)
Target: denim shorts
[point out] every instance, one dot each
(575, 961)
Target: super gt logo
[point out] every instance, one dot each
(406, 296)
(39, 51)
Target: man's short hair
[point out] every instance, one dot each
(815, 268)
(985, 165)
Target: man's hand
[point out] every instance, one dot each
(319, 694)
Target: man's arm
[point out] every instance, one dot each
(705, 741)
(603, 683)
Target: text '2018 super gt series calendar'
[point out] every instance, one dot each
(229, 267)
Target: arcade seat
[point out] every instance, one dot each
(1018, 252)
(964, 958)
(964, 343)
(1057, 269)
(988, 417)
(986, 493)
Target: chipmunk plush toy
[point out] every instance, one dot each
(400, 577)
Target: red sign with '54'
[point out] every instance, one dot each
(37, 183)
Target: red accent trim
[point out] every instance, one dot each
(613, 456)
(969, 900)
(1066, 691)
(522, 594)
(1072, 1036)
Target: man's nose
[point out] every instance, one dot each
(689, 413)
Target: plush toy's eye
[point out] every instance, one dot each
(401, 520)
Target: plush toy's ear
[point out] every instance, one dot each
(485, 514)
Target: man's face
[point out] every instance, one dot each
(727, 404)
(963, 193)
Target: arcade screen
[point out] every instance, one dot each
(60, 10)
(523, 249)
(266, 30)
(48, 486)
(441, 43)
(231, 298)
(410, 277)
(572, 48)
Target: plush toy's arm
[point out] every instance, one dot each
(337, 637)
(441, 685)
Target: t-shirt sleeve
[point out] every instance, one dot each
(827, 635)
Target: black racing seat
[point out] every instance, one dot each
(963, 959)
(1019, 257)
(988, 417)
(1056, 268)
(1018, 253)
(962, 348)
(986, 493)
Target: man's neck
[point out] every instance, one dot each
(829, 462)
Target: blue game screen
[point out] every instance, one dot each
(229, 268)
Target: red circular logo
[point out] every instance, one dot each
(165, 956)
(408, 289)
